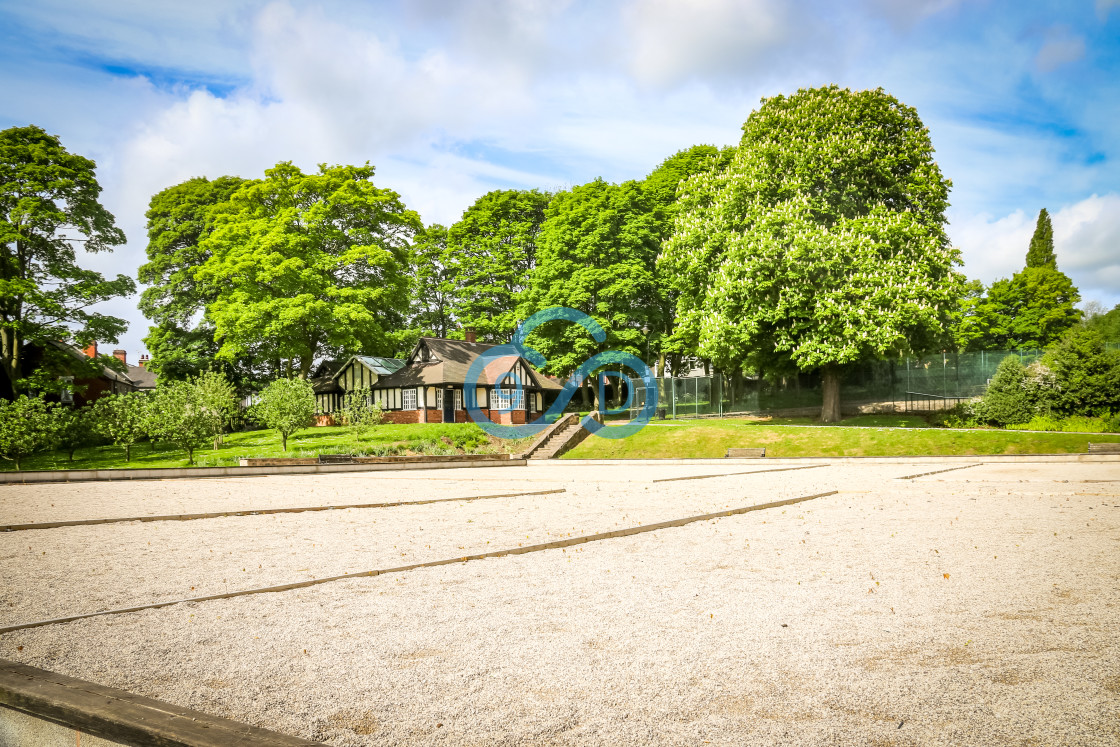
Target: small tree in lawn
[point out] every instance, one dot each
(72, 428)
(286, 405)
(359, 412)
(25, 427)
(187, 421)
(121, 419)
(218, 400)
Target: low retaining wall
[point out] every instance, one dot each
(39, 707)
(304, 461)
(171, 473)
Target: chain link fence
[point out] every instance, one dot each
(909, 384)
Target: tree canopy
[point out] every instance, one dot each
(1041, 251)
(302, 263)
(433, 283)
(598, 249)
(823, 241)
(181, 342)
(49, 203)
(491, 252)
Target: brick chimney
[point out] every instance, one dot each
(144, 360)
(470, 335)
(121, 355)
(91, 350)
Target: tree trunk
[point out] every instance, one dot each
(583, 396)
(830, 386)
(9, 351)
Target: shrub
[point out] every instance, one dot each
(286, 405)
(960, 415)
(26, 426)
(1007, 400)
(184, 416)
(122, 418)
(73, 428)
(1088, 376)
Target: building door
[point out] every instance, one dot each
(448, 406)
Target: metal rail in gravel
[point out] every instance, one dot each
(554, 545)
(261, 511)
(730, 474)
(939, 471)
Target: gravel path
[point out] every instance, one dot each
(973, 607)
(134, 563)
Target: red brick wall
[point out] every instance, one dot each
(400, 417)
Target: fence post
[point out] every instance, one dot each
(696, 395)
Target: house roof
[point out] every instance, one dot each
(380, 366)
(104, 372)
(450, 360)
(142, 377)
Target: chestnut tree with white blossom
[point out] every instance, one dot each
(821, 244)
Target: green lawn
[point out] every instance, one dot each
(430, 438)
(866, 435)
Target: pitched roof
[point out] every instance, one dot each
(449, 362)
(380, 366)
(142, 377)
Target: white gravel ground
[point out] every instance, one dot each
(973, 607)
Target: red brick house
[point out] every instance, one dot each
(86, 388)
(427, 387)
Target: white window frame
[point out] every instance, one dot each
(458, 399)
(406, 396)
(532, 401)
(439, 399)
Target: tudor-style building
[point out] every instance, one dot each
(427, 387)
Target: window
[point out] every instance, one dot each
(458, 399)
(509, 399)
(439, 399)
(533, 402)
(408, 399)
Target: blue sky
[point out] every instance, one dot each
(452, 99)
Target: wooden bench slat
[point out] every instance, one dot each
(754, 453)
(1107, 448)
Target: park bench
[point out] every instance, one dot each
(746, 453)
(1104, 448)
(336, 459)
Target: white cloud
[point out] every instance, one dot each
(1061, 48)
(1086, 243)
(672, 41)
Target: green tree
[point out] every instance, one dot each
(359, 412)
(598, 252)
(433, 283)
(822, 243)
(217, 399)
(661, 186)
(491, 252)
(286, 405)
(303, 263)
(1041, 251)
(970, 327)
(182, 340)
(185, 417)
(1107, 325)
(121, 418)
(25, 427)
(1088, 375)
(73, 428)
(49, 203)
(1007, 400)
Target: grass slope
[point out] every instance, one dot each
(431, 438)
(861, 436)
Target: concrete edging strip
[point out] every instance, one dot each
(174, 473)
(262, 511)
(121, 716)
(554, 545)
(731, 474)
(939, 471)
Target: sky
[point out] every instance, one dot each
(449, 100)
